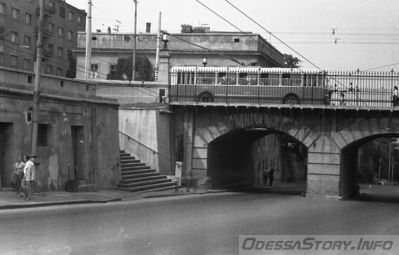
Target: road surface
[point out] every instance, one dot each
(200, 224)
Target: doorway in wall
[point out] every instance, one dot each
(78, 152)
(6, 156)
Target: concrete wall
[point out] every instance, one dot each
(96, 117)
(132, 93)
(145, 133)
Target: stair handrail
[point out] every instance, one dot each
(145, 146)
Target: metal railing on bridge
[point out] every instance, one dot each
(283, 86)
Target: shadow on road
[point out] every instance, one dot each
(378, 193)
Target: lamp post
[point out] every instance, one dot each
(36, 91)
(134, 41)
(205, 61)
(165, 40)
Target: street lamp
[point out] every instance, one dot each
(204, 61)
(165, 40)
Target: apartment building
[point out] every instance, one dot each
(185, 49)
(19, 30)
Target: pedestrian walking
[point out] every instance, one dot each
(395, 96)
(271, 176)
(18, 174)
(29, 176)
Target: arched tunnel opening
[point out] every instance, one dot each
(370, 169)
(243, 159)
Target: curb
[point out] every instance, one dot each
(19, 206)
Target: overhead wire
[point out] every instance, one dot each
(257, 23)
(204, 48)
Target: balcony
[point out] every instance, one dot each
(48, 11)
(47, 53)
(47, 33)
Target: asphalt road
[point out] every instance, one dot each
(200, 224)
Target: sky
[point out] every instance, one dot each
(323, 34)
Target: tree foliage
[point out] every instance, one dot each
(291, 61)
(185, 28)
(144, 70)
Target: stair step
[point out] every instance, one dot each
(143, 183)
(139, 171)
(135, 168)
(127, 157)
(131, 168)
(124, 165)
(139, 175)
(130, 160)
(152, 187)
(142, 179)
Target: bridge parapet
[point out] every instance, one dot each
(262, 86)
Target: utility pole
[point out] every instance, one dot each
(134, 41)
(36, 91)
(88, 39)
(158, 46)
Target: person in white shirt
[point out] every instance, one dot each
(29, 176)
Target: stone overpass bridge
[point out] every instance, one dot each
(217, 139)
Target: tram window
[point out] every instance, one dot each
(179, 78)
(264, 79)
(205, 78)
(242, 78)
(222, 78)
(286, 79)
(296, 80)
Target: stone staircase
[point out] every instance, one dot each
(138, 177)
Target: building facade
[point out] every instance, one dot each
(185, 49)
(18, 34)
(77, 134)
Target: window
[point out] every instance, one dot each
(15, 13)
(13, 61)
(51, 5)
(61, 31)
(94, 70)
(59, 71)
(80, 20)
(62, 11)
(26, 64)
(2, 8)
(49, 69)
(70, 35)
(1, 58)
(28, 18)
(43, 135)
(60, 52)
(51, 27)
(236, 40)
(50, 49)
(112, 69)
(27, 40)
(94, 67)
(14, 37)
(70, 16)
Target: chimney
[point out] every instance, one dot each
(148, 27)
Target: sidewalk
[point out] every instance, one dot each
(8, 199)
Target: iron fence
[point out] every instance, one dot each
(338, 88)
